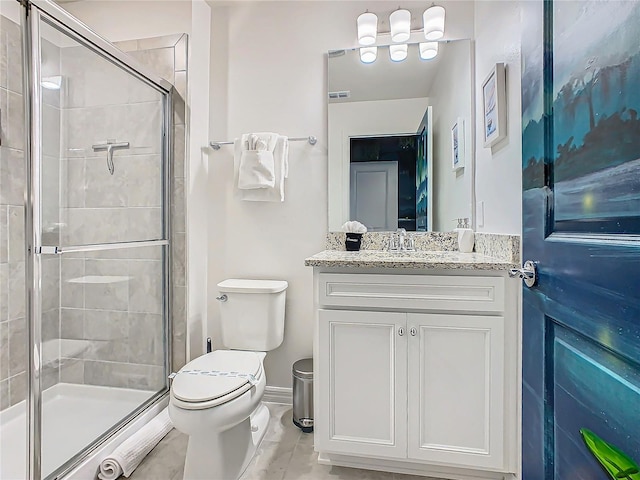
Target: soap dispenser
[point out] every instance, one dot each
(465, 236)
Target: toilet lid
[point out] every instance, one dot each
(215, 375)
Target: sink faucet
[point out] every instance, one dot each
(399, 241)
(402, 235)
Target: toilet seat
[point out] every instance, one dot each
(216, 378)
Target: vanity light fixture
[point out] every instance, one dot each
(368, 54)
(428, 50)
(433, 21)
(398, 52)
(400, 21)
(367, 29)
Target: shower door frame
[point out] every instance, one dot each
(33, 12)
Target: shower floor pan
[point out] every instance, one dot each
(73, 416)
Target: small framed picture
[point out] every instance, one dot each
(493, 106)
(457, 145)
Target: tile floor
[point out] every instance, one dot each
(285, 454)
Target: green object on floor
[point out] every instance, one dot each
(617, 464)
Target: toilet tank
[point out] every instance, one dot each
(252, 315)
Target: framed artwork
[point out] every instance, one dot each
(457, 145)
(493, 106)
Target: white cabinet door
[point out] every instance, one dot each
(362, 382)
(456, 390)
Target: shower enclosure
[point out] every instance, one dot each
(84, 240)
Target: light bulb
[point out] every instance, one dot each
(368, 54)
(367, 28)
(433, 21)
(428, 50)
(51, 83)
(400, 21)
(398, 52)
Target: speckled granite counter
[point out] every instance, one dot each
(419, 259)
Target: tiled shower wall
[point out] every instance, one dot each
(13, 338)
(112, 330)
(167, 56)
(13, 327)
(111, 327)
(101, 312)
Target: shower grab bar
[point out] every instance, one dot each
(311, 139)
(110, 147)
(57, 250)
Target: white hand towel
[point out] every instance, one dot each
(257, 168)
(281, 160)
(126, 458)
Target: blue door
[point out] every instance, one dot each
(581, 225)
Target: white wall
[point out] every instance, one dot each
(118, 20)
(451, 98)
(11, 10)
(198, 170)
(499, 169)
(272, 76)
(350, 119)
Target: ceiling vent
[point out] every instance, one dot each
(341, 94)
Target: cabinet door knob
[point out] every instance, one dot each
(401, 331)
(413, 331)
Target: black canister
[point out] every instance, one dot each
(353, 241)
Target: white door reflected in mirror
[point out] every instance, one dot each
(374, 195)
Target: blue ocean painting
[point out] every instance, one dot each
(422, 176)
(581, 215)
(421, 195)
(595, 161)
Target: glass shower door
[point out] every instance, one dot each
(103, 263)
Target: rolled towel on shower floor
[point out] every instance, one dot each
(126, 458)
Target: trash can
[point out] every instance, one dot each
(303, 394)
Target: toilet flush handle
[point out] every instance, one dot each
(222, 298)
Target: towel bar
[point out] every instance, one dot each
(311, 139)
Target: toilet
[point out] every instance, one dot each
(216, 398)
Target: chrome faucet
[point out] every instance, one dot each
(399, 241)
(402, 235)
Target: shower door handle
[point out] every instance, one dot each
(97, 247)
(48, 250)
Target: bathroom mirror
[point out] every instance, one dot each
(400, 138)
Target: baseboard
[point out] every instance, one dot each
(409, 468)
(278, 395)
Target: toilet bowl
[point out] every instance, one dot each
(223, 415)
(216, 399)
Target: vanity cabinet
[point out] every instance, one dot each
(416, 370)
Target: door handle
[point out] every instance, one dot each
(528, 273)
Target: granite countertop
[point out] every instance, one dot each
(417, 259)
